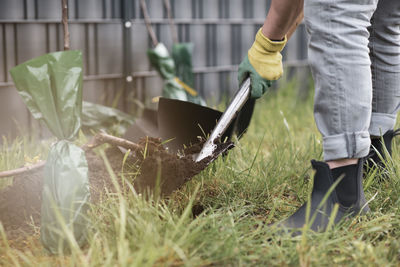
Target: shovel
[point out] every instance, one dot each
(181, 123)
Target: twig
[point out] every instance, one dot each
(148, 23)
(171, 22)
(103, 138)
(65, 23)
(18, 171)
(97, 140)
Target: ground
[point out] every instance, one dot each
(221, 217)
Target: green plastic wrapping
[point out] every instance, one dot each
(169, 70)
(174, 91)
(66, 188)
(98, 117)
(51, 87)
(161, 60)
(182, 55)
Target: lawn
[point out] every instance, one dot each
(222, 216)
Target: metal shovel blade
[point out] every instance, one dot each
(183, 122)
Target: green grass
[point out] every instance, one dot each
(263, 180)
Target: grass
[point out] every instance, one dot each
(263, 180)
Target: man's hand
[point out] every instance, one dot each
(263, 64)
(258, 84)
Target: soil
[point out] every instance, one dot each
(20, 203)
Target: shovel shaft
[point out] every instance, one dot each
(230, 113)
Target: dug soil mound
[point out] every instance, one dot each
(152, 167)
(20, 203)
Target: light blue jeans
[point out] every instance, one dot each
(354, 53)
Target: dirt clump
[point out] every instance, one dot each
(168, 171)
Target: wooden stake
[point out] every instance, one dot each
(65, 24)
(148, 23)
(171, 22)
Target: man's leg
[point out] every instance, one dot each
(384, 47)
(340, 64)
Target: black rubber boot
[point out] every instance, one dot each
(377, 154)
(349, 194)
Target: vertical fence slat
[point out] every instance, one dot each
(4, 53)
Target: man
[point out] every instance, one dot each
(354, 54)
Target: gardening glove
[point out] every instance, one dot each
(263, 64)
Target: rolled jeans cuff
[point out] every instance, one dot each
(346, 146)
(381, 123)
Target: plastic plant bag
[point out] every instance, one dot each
(174, 87)
(97, 117)
(164, 64)
(66, 192)
(162, 61)
(51, 87)
(182, 55)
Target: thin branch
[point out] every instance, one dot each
(97, 140)
(103, 138)
(22, 170)
(148, 23)
(65, 24)
(171, 22)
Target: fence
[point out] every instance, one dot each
(114, 40)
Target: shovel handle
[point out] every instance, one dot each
(223, 123)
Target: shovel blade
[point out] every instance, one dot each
(183, 122)
(221, 149)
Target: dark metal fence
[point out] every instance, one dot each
(114, 40)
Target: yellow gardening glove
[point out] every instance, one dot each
(265, 57)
